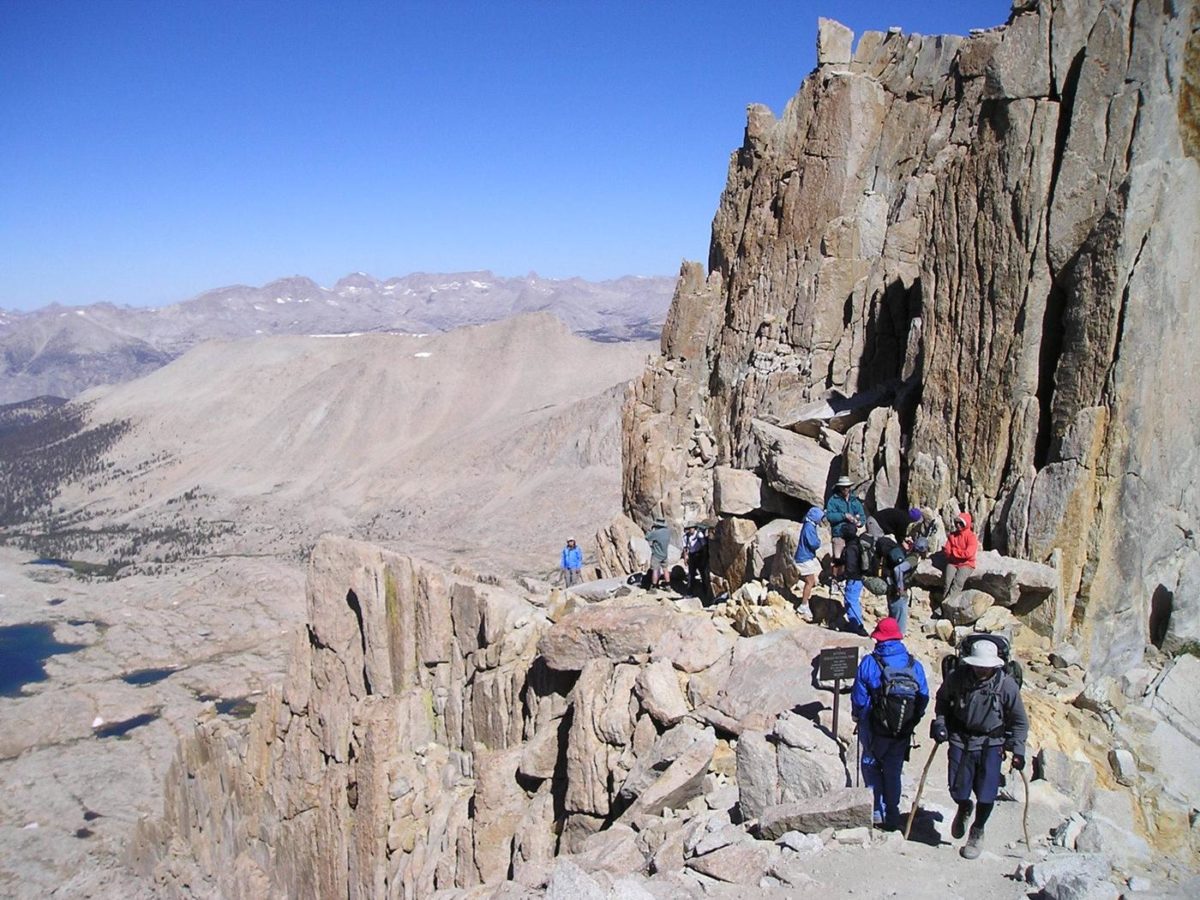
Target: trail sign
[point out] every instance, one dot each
(836, 663)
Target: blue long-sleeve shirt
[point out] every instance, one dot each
(870, 677)
(572, 558)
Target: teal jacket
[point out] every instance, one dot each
(836, 510)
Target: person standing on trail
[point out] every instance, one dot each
(695, 555)
(659, 538)
(807, 563)
(572, 563)
(980, 712)
(842, 507)
(895, 565)
(889, 697)
(961, 547)
(850, 568)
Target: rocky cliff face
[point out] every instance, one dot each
(962, 270)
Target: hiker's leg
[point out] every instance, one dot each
(899, 572)
(892, 764)
(898, 610)
(982, 812)
(809, 582)
(987, 774)
(872, 775)
(961, 574)
(839, 544)
(854, 602)
(960, 773)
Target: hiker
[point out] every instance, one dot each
(850, 568)
(961, 547)
(930, 529)
(895, 520)
(889, 697)
(807, 563)
(896, 565)
(842, 507)
(659, 538)
(695, 555)
(979, 711)
(572, 563)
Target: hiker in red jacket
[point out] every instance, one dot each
(961, 546)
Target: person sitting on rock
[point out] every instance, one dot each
(659, 539)
(842, 507)
(895, 520)
(572, 563)
(850, 567)
(961, 547)
(695, 556)
(980, 712)
(889, 698)
(807, 563)
(930, 529)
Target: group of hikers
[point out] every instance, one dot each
(978, 712)
(885, 545)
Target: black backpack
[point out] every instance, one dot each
(894, 702)
(1012, 668)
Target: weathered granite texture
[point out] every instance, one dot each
(967, 266)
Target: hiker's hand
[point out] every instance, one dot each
(938, 732)
(1018, 763)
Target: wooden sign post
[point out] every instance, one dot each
(834, 664)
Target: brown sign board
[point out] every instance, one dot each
(837, 663)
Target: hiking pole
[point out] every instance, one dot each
(1025, 814)
(912, 813)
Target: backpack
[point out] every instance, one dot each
(894, 702)
(1012, 668)
(866, 554)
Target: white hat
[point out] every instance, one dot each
(985, 655)
(844, 481)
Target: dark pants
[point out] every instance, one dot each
(698, 568)
(882, 764)
(975, 771)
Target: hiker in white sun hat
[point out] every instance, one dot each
(979, 711)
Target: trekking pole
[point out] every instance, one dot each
(1025, 814)
(912, 813)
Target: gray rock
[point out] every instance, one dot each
(965, 607)
(840, 808)
(1090, 866)
(569, 882)
(681, 781)
(798, 842)
(757, 773)
(659, 691)
(736, 491)
(739, 863)
(1177, 698)
(834, 43)
(1124, 766)
(619, 633)
(601, 589)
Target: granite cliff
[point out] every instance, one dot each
(964, 268)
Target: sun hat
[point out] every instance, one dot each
(844, 481)
(887, 630)
(985, 655)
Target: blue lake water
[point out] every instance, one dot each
(24, 650)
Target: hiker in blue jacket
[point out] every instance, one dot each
(572, 563)
(887, 705)
(806, 556)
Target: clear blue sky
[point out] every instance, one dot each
(152, 150)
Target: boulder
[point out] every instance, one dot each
(600, 589)
(757, 774)
(739, 863)
(840, 808)
(621, 548)
(793, 464)
(671, 773)
(965, 607)
(731, 552)
(1090, 866)
(773, 672)
(692, 643)
(834, 43)
(658, 689)
(569, 882)
(1019, 584)
(736, 491)
(620, 633)
(777, 536)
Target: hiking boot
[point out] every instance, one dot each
(971, 849)
(959, 826)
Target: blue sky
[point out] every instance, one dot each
(153, 150)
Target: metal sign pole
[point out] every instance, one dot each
(837, 702)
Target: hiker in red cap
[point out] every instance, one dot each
(888, 699)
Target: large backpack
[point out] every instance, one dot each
(894, 702)
(1012, 667)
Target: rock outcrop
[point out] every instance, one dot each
(961, 270)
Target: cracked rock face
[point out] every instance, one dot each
(981, 252)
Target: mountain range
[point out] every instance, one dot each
(60, 351)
